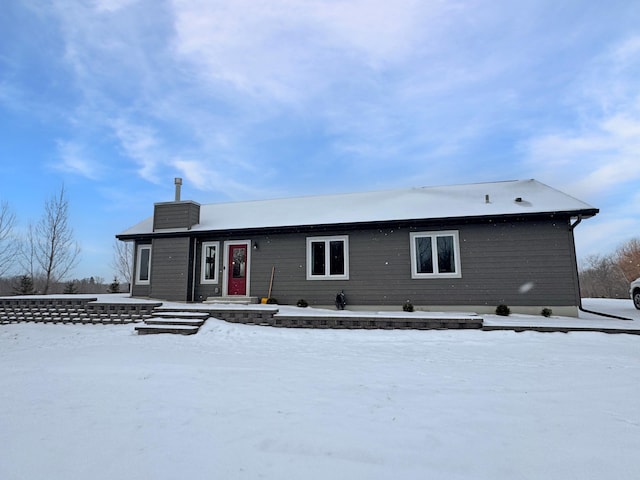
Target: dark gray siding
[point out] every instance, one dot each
(517, 263)
(136, 289)
(183, 214)
(170, 268)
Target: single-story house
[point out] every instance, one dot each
(461, 247)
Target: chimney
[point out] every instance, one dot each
(178, 182)
(178, 214)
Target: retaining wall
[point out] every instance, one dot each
(72, 310)
(272, 318)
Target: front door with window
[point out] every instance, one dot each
(237, 270)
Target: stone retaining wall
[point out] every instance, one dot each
(72, 310)
(377, 322)
(89, 310)
(271, 318)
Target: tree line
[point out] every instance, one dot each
(41, 259)
(608, 276)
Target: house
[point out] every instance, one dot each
(461, 247)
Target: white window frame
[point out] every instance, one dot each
(203, 267)
(434, 254)
(327, 260)
(139, 281)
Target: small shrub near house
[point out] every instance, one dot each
(272, 301)
(407, 306)
(302, 303)
(503, 310)
(546, 312)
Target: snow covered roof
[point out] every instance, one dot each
(518, 197)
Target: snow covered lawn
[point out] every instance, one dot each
(244, 402)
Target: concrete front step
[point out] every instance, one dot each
(168, 313)
(173, 321)
(154, 329)
(234, 299)
(162, 320)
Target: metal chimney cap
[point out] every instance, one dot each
(178, 182)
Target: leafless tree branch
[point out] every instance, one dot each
(122, 261)
(628, 259)
(8, 242)
(56, 252)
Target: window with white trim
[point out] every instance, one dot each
(210, 262)
(328, 258)
(435, 255)
(143, 265)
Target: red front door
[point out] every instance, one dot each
(237, 273)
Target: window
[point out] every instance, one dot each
(435, 255)
(210, 262)
(328, 258)
(143, 265)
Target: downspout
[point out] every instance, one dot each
(576, 223)
(572, 226)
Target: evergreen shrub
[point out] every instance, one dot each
(407, 306)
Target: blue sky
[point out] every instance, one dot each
(250, 99)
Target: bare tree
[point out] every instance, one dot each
(27, 254)
(8, 243)
(123, 260)
(628, 259)
(56, 252)
(601, 277)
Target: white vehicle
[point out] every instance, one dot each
(634, 292)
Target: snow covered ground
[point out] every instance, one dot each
(246, 402)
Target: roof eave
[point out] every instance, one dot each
(584, 213)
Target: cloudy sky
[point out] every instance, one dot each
(254, 99)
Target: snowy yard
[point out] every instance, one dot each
(247, 402)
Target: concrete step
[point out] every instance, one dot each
(234, 299)
(166, 320)
(183, 322)
(168, 313)
(178, 329)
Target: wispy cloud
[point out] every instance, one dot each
(292, 50)
(141, 144)
(204, 176)
(112, 5)
(595, 157)
(403, 87)
(76, 160)
(599, 154)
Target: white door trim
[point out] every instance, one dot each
(225, 268)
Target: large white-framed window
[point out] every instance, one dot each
(210, 262)
(435, 254)
(143, 265)
(328, 258)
